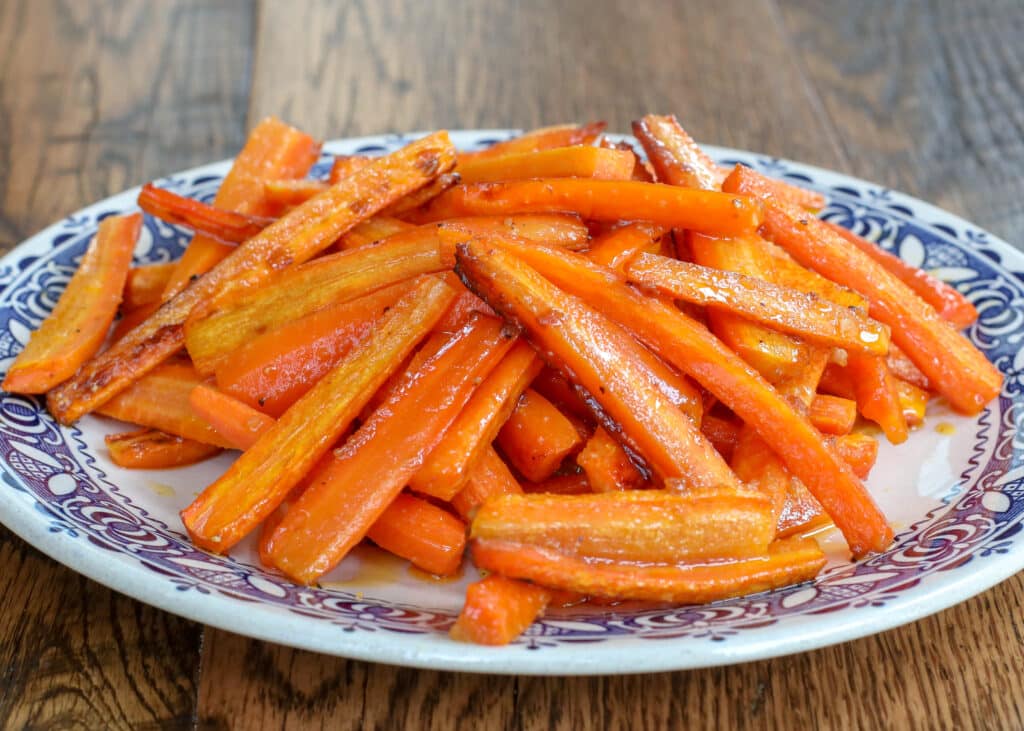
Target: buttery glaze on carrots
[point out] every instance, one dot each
(594, 375)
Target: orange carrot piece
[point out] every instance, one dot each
(267, 529)
(572, 484)
(641, 168)
(832, 414)
(717, 214)
(448, 467)
(370, 231)
(497, 610)
(578, 161)
(913, 402)
(150, 449)
(859, 451)
(239, 424)
(801, 513)
(545, 138)
(77, 326)
(340, 504)
(419, 198)
(949, 303)
(722, 433)
(553, 386)
(787, 562)
(273, 150)
(431, 538)
(263, 475)
(283, 195)
(619, 246)
(688, 346)
(644, 526)
(293, 239)
(345, 165)
(537, 437)
(145, 285)
(160, 400)
(836, 380)
(488, 477)
(903, 368)
(226, 226)
(877, 397)
(607, 465)
(131, 319)
(953, 365)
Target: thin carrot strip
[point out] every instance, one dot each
(368, 232)
(578, 161)
(145, 285)
(903, 368)
(497, 610)
(545, 138)
(238, 423)
(607, 465)
(832, 414)
(151, 449)
(877, 397)
(488, 477)
(75, 329)
(225, 226)
(431, 538)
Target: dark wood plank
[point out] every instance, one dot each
(94, 97)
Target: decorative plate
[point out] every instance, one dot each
(954, 492)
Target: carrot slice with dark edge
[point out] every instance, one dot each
(225, 226)
(151, 449)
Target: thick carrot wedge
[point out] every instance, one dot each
(578, 161)
(340, 504)
(375, 229)
(431, 538)
(273, 150)
(160, 400)
(597, 355)
(264, 474)
(832, 414)
(273, 370)
(949, 303)
(688, 346)
(859, 451)
(238, 423)
(537, 437)
(716, 214)
(573, 484)
(488, 477)
(74, 331)
(618, 247)
(293, 239)
(497, 610)
(145, 285)
(607, 465)
(877, 397)
(448, 467)
(545, 138)
(282, 195)
(226, 226)
(803, 314)
(150, 449)
(787, 562)
(345, 165)
(957, 369)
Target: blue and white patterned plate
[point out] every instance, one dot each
(954, 492)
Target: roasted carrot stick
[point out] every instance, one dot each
(273, 150)
(145, 285)
(345, 165)
(949, 303)
(722, 433)
(419, 198)
(903, 368)
(641, 168)
(688, 346)
(293, 239)
(340, 504)
(429, 537)
(709, 212)
(150, 449)
(537, 437)
(578, 161)
(643, 526)
(545, 138)
(282, 195)
(598, 356)
(238, 423)
(787, 562)
(497, 610)
(370, 231)
(953, 365)
(225, 226)
(859, 451)
(448, 467)
(488, 477)
(223, 514)
(832, 414)
(836, 380)
(553, 386)
(74, 331)
(877, 397)
(618, 247)
(607, 465)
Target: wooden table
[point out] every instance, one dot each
(926, 97)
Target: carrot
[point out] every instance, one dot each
(836, 380)
(537, 437)
(431, 538)
(160, 400)
(225, 226)
(273, 150)
(283, 195)
(607, 465)
(293, 239)
(497, 610)
(952, 364)
(488, 477)
(722, 433)
(688, 346)
(949, 303)
(597, 355)
(642, 526)
(791, 311)
(832, 414)
(572, 484)
(372, 230)
(801, 513)
(619, 246)
(417, 199)
(877, 397)
(145, 285)
(131, 319)
(859, 451)
(717, 214)
(641, 168)
(448, 467)
(77, 326)
(340, 504)
(223, 514)
(345, 165)
(578, 161)
(903, 368)
(787, 562)
(150, 449)
(238, 423)
(545, 138)
(553, 386)
(913, 402)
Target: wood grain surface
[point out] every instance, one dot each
(96, 96)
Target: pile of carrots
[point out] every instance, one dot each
(613, 378)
